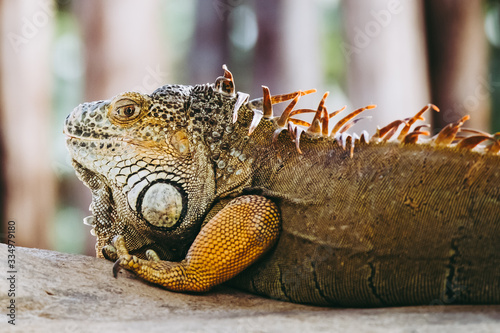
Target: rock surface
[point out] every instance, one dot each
(57, 292)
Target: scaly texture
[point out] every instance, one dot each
(193, 184)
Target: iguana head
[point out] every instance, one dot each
(147, 162)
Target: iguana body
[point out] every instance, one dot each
(329, 220)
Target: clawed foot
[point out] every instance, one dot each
(124, 260)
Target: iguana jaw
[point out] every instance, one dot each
(109, 219)
(138, 170)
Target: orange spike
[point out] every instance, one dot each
(321, 106)
(325, 122)
(421, 126)
(299, 122)
(267, 106)
(448, 133)
(324, 114)
(351, 124)
(315, 124)
(413, 137)
(286, 97)
(416, 117)
(391, 128)
(300, 111)
(472, 141)
(389, 135)
(334, 113)
(349, 117)
(315, 127)
(495, 147)
(227, 73)
(226, 83)
(283, 120)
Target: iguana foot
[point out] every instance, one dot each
(231, 241)
(125, 260)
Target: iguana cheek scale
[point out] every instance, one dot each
(193, 186)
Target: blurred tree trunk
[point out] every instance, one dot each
(123, 47)
(458, 62)
(287, 50)
(210, 48)
(385, 53)
(122, 51)
(269, 55)
(26, 113)
(285, 56)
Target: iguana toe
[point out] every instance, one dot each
(152, 256)
(109, 252)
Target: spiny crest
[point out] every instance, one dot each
(451, 135)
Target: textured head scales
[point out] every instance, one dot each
(144, 168)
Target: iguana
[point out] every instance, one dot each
(193, 186)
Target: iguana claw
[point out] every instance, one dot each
(116, 267)
(125, 260)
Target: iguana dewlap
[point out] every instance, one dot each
(193, 186)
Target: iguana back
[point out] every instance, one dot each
(388, 226)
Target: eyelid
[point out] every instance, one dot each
(124, 102)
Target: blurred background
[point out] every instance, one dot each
(398, 54)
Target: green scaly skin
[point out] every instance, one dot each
(393, 224)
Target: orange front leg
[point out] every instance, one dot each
(231, 241)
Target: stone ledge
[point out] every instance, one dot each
(75, 293)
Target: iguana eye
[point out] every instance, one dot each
(128, 110)
(125, 111)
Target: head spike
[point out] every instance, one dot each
(225, 84)
(267, 106)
